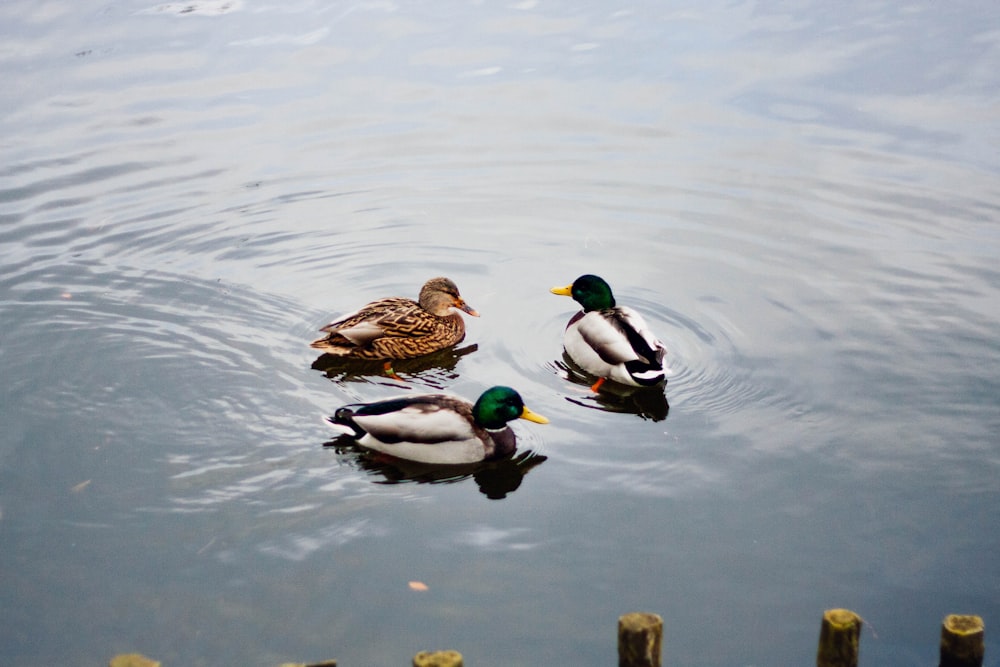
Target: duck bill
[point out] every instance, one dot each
(533, 417)
(563, 291)
(466, 308)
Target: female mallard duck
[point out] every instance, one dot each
(399, 328)
(609, 341)
(438, 428)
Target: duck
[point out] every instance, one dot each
(400, 328)
(439, 429)
(609, 341)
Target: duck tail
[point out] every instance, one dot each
(343, 420)
(646, 374)
(334, 344)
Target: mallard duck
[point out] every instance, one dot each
(438, 428)
(400, 328)
(609, 341)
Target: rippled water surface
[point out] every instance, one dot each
(802, 200)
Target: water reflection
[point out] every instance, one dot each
(435, 370)
(646, 402)
(496, 479)
(815, 203)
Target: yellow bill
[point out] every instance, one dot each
(533, 416)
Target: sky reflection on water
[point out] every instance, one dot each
(802, 202)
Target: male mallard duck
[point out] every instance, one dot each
(399, 328)
(609, 341)
(438, 428)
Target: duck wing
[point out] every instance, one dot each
(647, 347)
(619, 335)
(427, 419)
(374, 320)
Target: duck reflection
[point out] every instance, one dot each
(646, 402)
(435, 370)
(496, 479)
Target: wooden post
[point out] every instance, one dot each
(838, 639)
(640, 640)
(133, 660)
(962, 641)
(438, 659)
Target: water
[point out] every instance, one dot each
(802, 202)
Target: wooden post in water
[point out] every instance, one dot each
(133, 660)
(640, 640)
(838, 639)
(962, 641)
(438, 659)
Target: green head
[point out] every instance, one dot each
(499, 405)
(590, 291)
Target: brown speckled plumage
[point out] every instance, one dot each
(399, 328)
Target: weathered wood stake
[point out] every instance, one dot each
(838, 639)
(133, 660)
(962, 641)
(438, 659)
(640, 640)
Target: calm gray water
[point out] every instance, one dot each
(802, 200)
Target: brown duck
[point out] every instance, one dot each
(400, 328)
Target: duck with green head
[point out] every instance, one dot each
(438, 428)
(610, 341)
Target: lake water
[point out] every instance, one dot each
(802, 199)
